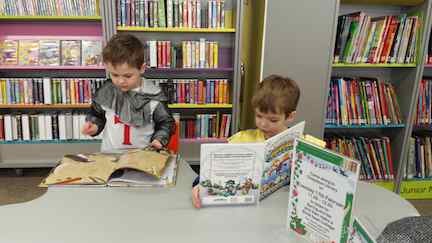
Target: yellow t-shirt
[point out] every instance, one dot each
(256, 136)
(247, 136)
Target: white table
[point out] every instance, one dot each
(71, 215)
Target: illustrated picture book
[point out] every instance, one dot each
(322, 191)
(237, 173)
(137, 167)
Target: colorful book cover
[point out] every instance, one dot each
(322, 190)
(28, 52)
(91, 53)
(71, 53)
(49, 52)
(244, 173)
(9, 52)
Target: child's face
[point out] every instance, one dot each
(124, 76)
(271, 123)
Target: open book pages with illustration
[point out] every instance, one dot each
(97, 168)
(136, 178)
(243, 173)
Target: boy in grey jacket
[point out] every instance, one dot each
(130, 111)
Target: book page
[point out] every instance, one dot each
(278, 156)
(323, 185)
(130, 177)
(230, 173)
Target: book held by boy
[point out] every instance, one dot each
(322, 188)
(136, 167)
(244, 173)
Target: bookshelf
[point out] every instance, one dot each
(299, 59)
(117, 19)
(404, 77)
(43, 151)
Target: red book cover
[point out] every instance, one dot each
(164, 54)
(159, 54)
(168, 54)
(216, 96)
(389, 156)
(389, 40)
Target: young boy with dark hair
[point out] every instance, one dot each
(275, 103)
(130, 111)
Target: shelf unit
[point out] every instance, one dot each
(46, 153)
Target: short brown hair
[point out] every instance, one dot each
(276, 94)
(124, 48)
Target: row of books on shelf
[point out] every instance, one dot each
(365, 39)
(191, 54)
(173, 13)
(419, 164)
(43, 126)
(48, 90)
(374, 153)
(51, 52)
(48, 8)
(423, 115)
(362, 101)
(194, 91)
(205, 126)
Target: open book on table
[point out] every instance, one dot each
(137, 167)
(244, 173)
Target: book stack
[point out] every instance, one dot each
(42, 126)
(48, 90)
(172, 13)
(48, 8)
(374, 153)
(51, 52)
(362, 101)
(364, 39)
(205, 126)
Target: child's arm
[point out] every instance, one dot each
(164, 124)
(96, 116)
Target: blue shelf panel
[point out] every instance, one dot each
(330, 126)
(51, 141)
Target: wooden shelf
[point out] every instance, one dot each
(11, 67)
(385, 2)
(203, 140)
(328, 126)
(49, 18)
(51, 141)
(369, 65)
(198, 106)
(44, 106)
(176, 30)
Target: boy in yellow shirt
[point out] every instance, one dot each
(275, 102)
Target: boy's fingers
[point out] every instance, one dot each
(196, 198)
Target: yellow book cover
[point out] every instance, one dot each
(228, 18)
(144, 167)
(9, 52)
(28, 52)
(3, 91)
(215, 54)
(210, 57)
(72, 91)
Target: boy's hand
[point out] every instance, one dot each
(156, 144)
(196, 200)
(89, 128)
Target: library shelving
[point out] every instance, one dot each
(179, 37)
(387, 43)
(40, 144)
(311, 61)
